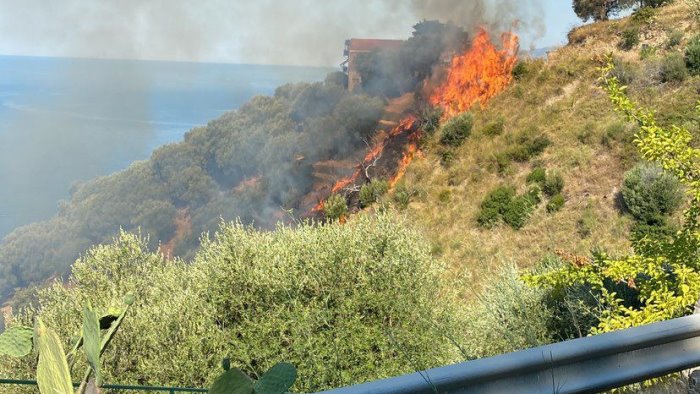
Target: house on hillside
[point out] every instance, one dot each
(356, 46)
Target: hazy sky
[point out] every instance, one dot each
(299, 32)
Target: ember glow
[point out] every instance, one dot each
(408, 156)
(405, 128)
(480, 73)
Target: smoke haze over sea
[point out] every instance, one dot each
(304, 32)
(67, 120)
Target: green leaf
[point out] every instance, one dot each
(52, 373)
(16, 342)
(277, 380)
(232, 381)
(91, 341)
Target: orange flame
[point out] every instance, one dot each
(403, 164)
(406, 125)
(477, 75)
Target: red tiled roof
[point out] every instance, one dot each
(366, 45)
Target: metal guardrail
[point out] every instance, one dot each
(118, 387)
(584, 365)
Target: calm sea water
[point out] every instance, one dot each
(67, 120)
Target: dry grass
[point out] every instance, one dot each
(575, 118)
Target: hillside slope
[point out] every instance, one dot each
(591, 147)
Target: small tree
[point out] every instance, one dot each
(599, 10)
(650, 193)
(335, 207)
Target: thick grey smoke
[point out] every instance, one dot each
(303, 32)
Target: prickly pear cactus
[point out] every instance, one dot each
(16, 342)
(52, 373)
(232, 381)
(92, 341)
(277, 380)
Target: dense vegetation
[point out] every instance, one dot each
(252, 164)
(344, 303)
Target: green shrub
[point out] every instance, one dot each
(457, 129)
(365, 298)
(528, 144)
(335, 207)
(673, 68)
(556, 203)
(502, 161)
(488, 217)
(553, 185)
(495, 127)
(507, 315)
(658, 232)
(644, 15)
(573, 310)
(447, 157)
(534, 194)
(402, 196)
(371, 192)
(675, 37)
(538, 175)
(499, 199)
(518, 211)
(520, 70)
(630, 38)
(692, 55)
(650, 193)
(501, 204)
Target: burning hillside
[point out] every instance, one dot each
(273, 156)
(477, 75)
(474, 75)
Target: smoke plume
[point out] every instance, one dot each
(304, 32)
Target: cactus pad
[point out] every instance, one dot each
(16, 342)
(232, 381)
(277, 380)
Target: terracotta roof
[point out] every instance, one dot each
(366, 45)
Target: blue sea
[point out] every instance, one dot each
(68, 120)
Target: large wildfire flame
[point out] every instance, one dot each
(477, 75)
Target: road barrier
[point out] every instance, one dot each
(584, 365)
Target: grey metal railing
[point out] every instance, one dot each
(584, 365)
